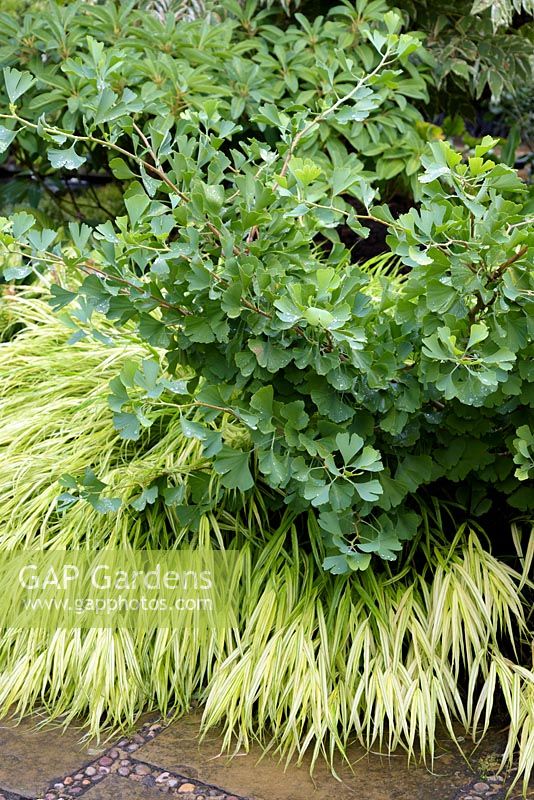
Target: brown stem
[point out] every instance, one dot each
(324, 114)
(253, 234)
(499, 272)
(147, 144)
(90, 269)
(477, 308)
(480, 304)
(105, 143)
(157, 169)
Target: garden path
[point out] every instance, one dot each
(159, 759)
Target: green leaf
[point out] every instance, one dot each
(382, 542)
(349, 445)
(213, 197)
(41, 240)
(341, 495)
(276, 468)
(413, 471)
(69, 159)
(22, 222)
(318, 492)
(295, 414)
(60, 297)
(369, 491)
(305, 170)
(345, 563)
(233, 466)
(105, 505)
(147, 497)
(231, 300)
(479, 332)
(337, 565)
(318, 317)
(328, 402)
(487, 143)
(153, 331)
(16, 273)
(369, 460)
(6, 137)
(119, 396)
(262, 402)
(287, 311)
(173, 495)
(120, 169)
(193, 430)
(80, 234)
(128, 425)
(299, 211)
(149, 379)
(269, 355)
(136, 203)
(524, 453)
(17, 83)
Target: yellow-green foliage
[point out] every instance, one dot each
(313, 660)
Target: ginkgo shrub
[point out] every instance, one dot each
(353, 390)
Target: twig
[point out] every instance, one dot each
(324, 114)
(481, 304)
(90, 269)
(104, 143)
(502, 269)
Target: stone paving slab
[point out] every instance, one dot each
(31, 757)
(159, 759)
(115, 788)
(120, 761)
(177, 748)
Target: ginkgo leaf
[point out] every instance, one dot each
(67, 159)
